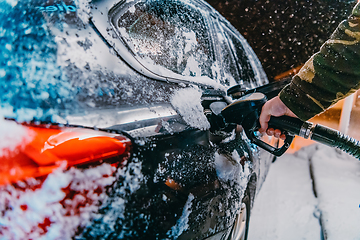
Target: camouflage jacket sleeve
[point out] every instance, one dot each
(329, 75)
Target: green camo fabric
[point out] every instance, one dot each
(329, 75)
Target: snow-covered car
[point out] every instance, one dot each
(105, 129)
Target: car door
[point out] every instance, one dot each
(195, 175)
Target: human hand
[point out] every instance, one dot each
(273, 107)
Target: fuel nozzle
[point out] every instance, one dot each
(246, 111)
(245, 107)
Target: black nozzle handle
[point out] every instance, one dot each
(251, 125)
(318, 133)
(273, 150)
(288, 124)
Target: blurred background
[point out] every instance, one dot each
(284, 34)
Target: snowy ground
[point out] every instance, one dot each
(287, 209)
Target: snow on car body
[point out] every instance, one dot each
(107, 99)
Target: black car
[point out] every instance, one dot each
(106, 128)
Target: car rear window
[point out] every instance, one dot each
(169, 34)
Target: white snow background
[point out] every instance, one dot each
(286, 208)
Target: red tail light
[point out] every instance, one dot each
(51, 148)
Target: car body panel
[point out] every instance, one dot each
(183, 180)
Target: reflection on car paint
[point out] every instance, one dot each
(137, 121)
